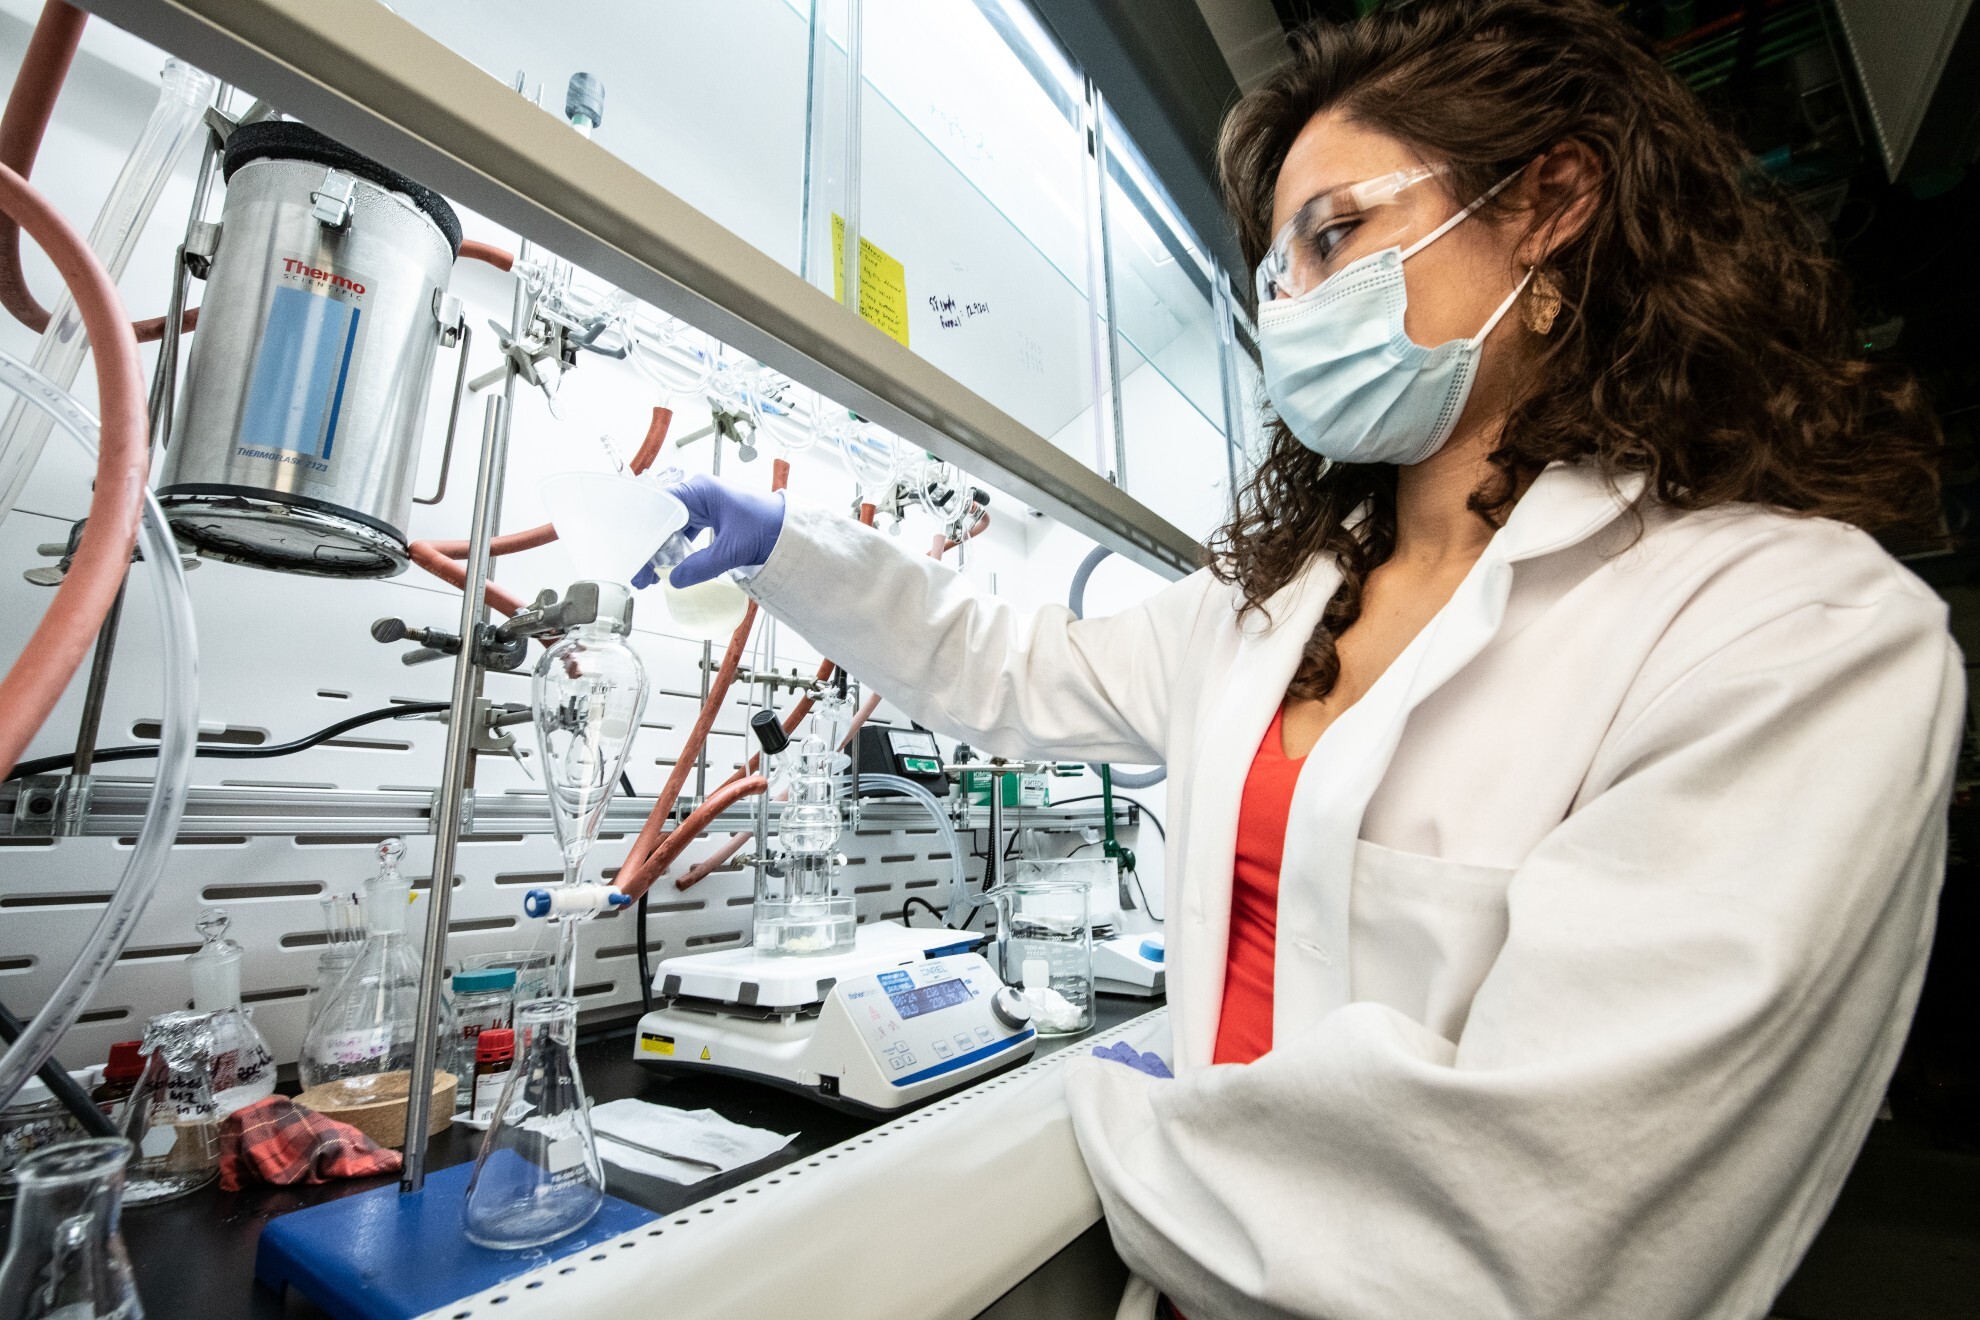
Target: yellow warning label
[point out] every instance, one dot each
(653, 1043)
(882, 284)
(705, 1054)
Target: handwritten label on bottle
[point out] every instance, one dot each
(353, 1047)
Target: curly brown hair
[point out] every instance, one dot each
(1704, 337)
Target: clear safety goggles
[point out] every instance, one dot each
(1345, 224)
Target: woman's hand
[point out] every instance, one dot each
(1122, 1052)
(745, 527)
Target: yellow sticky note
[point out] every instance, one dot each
(882, 284)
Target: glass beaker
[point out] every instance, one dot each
(797, 909)
(365, 1028)
(172, 1118)
(65, 1258)
(1045, 942)
(538, 1176)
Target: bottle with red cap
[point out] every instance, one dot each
(120, 1076)
(494, 1060)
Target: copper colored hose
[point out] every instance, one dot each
(475, 250)
(30, 105)
(649, 839)
(635, 879)
(450, 572)
(708, 865)
(68, 630)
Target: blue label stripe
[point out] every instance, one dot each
(964, 1060)
(343, 374)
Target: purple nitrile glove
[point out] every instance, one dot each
(1122, 1052)
(745, 526)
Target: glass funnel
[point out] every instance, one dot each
(243, 1066)
(65, 1258)
(538, 1176)
(364, 1030)
(588, 693)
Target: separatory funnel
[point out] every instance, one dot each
(588, 693)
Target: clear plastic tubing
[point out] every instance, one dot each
(174, 124)
(958, 881)
(179, 667)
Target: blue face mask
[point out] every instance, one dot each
(1346, 378)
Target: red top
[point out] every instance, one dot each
(1244, 1030)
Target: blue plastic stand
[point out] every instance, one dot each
(383, 1256)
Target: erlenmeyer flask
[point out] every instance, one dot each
(538, 1176)
(171, 1118)
(243, 1067)
(65, 1258)
(588, 693)
(365, 1028)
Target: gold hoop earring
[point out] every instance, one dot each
(1542, 303)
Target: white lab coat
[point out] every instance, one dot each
(1601, 919)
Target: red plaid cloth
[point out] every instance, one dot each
(279, 1141)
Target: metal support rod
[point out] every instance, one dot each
(163, 399)
(99, 686)
(1107, 284)
(453, 790)
(993, 870)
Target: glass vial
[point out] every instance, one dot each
(65, 1257)
(364, 1031)
(243, 1065)
(538, 1176)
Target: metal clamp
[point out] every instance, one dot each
(202, 242)
(332, 201)
(52, 806)
(582, 603)
(492, 648)
(794, 681)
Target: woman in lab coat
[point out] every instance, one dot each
(1557, 769)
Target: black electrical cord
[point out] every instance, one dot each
(1153, 819)
(908, 907)
(639, 918)
(42, 765)
(1011, 847)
